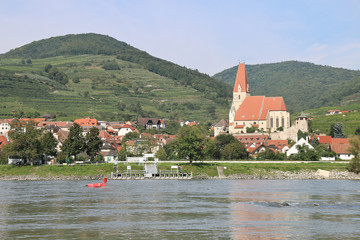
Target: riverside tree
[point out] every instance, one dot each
(29, 143)
(234, 150)
(48, 144)
(191, 143)
(93, 142)
(354, 164)
(75, 142)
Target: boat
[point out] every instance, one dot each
(96, 185)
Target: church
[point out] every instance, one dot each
(267, 114)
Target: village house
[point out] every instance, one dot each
(109, 152)
(5, 127)
(294, 149)
(86, 122)
(120, 129)
(341, 146)
(151, 123)
(222, 127)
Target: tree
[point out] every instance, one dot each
(28, 61)
(190, 142)
(221, 141)
(93, 143)
(357, 131)
(26, 144)
(336, 131)
(234, 150)
(48, 144)
(301, 134)
(75, 142)
(354, 164)
(306, 154)
(161, 154)
(251, 129)
(47, 67)
(122, 154)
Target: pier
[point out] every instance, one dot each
(151, 172)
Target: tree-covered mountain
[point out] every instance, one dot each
(96, 75)
(303, 85)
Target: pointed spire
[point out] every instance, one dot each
(241, 80)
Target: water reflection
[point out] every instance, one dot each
(180, 210)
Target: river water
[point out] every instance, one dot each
(175, 209)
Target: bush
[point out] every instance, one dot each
(111, 66)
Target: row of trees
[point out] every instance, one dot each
(30, 144)
(193, 144)
(33, 145)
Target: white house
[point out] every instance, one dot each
(294, 150)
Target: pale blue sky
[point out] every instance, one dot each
(208, 35)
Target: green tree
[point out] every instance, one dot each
(47, 67)
(28, 61)
(122, 154)
(191, 143)
(354, 164)
(48, 144)
(161, 154)
(306, 154)
(75, 142)
(234, 150)
(357, 131)
(251, 129)
(301, 134)
(93, 143)
(221, 141)
(58, 75)
(25, 144)
(336, 130)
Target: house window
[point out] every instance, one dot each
(239, 96)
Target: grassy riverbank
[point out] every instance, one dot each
(198, 169)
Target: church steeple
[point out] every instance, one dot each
(241, 90)
(241, 82)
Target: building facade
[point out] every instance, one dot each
(266, 114)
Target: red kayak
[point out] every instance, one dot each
(96, 185)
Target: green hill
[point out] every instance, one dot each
(321, 123)
(99, 76)
(303, 85)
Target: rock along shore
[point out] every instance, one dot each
(269, 175)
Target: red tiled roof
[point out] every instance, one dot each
(278, 143)
(241, 79)
(239, 126)
(324, 139)
(257, 107)
(86, 121)
(340, 145)
(3, 141)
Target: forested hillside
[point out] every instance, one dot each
(94, 75)
(303, 85)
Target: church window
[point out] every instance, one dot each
(239, 96)
(277, 122)
(282, 122)
(271, 122)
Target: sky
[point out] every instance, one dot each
(208, 35)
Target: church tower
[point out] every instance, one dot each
(240, 92)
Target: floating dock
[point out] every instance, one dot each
(150, 172)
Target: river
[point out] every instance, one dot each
(175, 209)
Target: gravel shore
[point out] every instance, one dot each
(271, 175)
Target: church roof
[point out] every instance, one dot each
(257, 107)
(241, 80)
